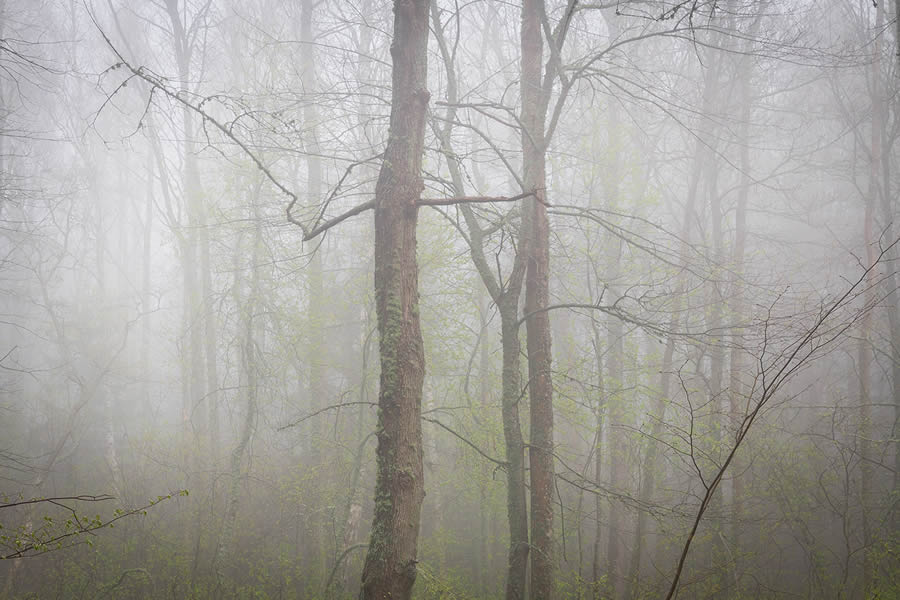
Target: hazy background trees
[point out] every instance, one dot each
(716, 176)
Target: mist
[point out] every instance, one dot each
(538, 300)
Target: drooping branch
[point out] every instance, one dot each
(157, 82)
(665, 254)
(499, 463)
(612, 309)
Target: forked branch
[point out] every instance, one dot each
(795, 355)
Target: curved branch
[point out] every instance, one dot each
(499, 463)
(338, 562)
(308, 235)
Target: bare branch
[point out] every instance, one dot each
(308, 235)
(472, 200)
(499, 463)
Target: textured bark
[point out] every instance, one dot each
(390, 566)
(537, 296)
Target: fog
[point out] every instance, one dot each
(552, 299)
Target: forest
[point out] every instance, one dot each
(449, 299)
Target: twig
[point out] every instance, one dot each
(500, 463)
(83, 498)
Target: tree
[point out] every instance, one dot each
(390, 567)
(774, 368)
(646, 169)
(537, 297)
(536, 90)
(505, 295)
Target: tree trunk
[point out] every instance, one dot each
(864, 426)
(537, 296)
(617, 452)
(146, 265)
(598, 592)
(210, 344)
(248, 389)
(737, 406)
(647, 486)
(507, 301)
(390, 567)
(516, 506)
(892, 296)
(315, 551)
